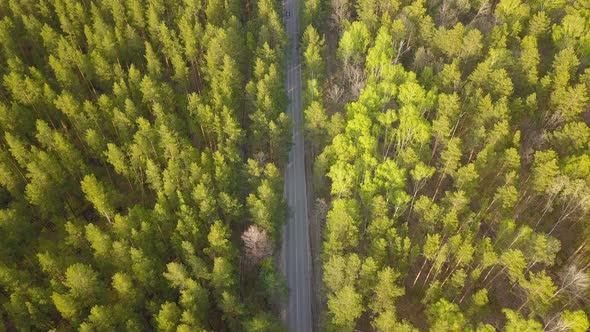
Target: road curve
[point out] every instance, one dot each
(296, 249)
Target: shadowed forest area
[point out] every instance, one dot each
(452, 162)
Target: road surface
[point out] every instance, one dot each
(296, 250)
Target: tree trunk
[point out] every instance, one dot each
(419, 272)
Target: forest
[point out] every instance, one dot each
(143, 145)
(451, 148)
(140, 154)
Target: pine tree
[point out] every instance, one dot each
(98, 195)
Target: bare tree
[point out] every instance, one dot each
(340, 13)
(257, 244)
(356, 77)
(574, 199)
(559, 326)
(574, 281)
(260, 157)
(551, 193)
(320, 211)
(335, 93)
(450, 10)
(484, 20)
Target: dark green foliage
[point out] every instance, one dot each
(123, 166)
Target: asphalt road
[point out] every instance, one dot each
(296, 250)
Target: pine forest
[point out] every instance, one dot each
(149, 165)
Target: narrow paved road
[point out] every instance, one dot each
(296, 252)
